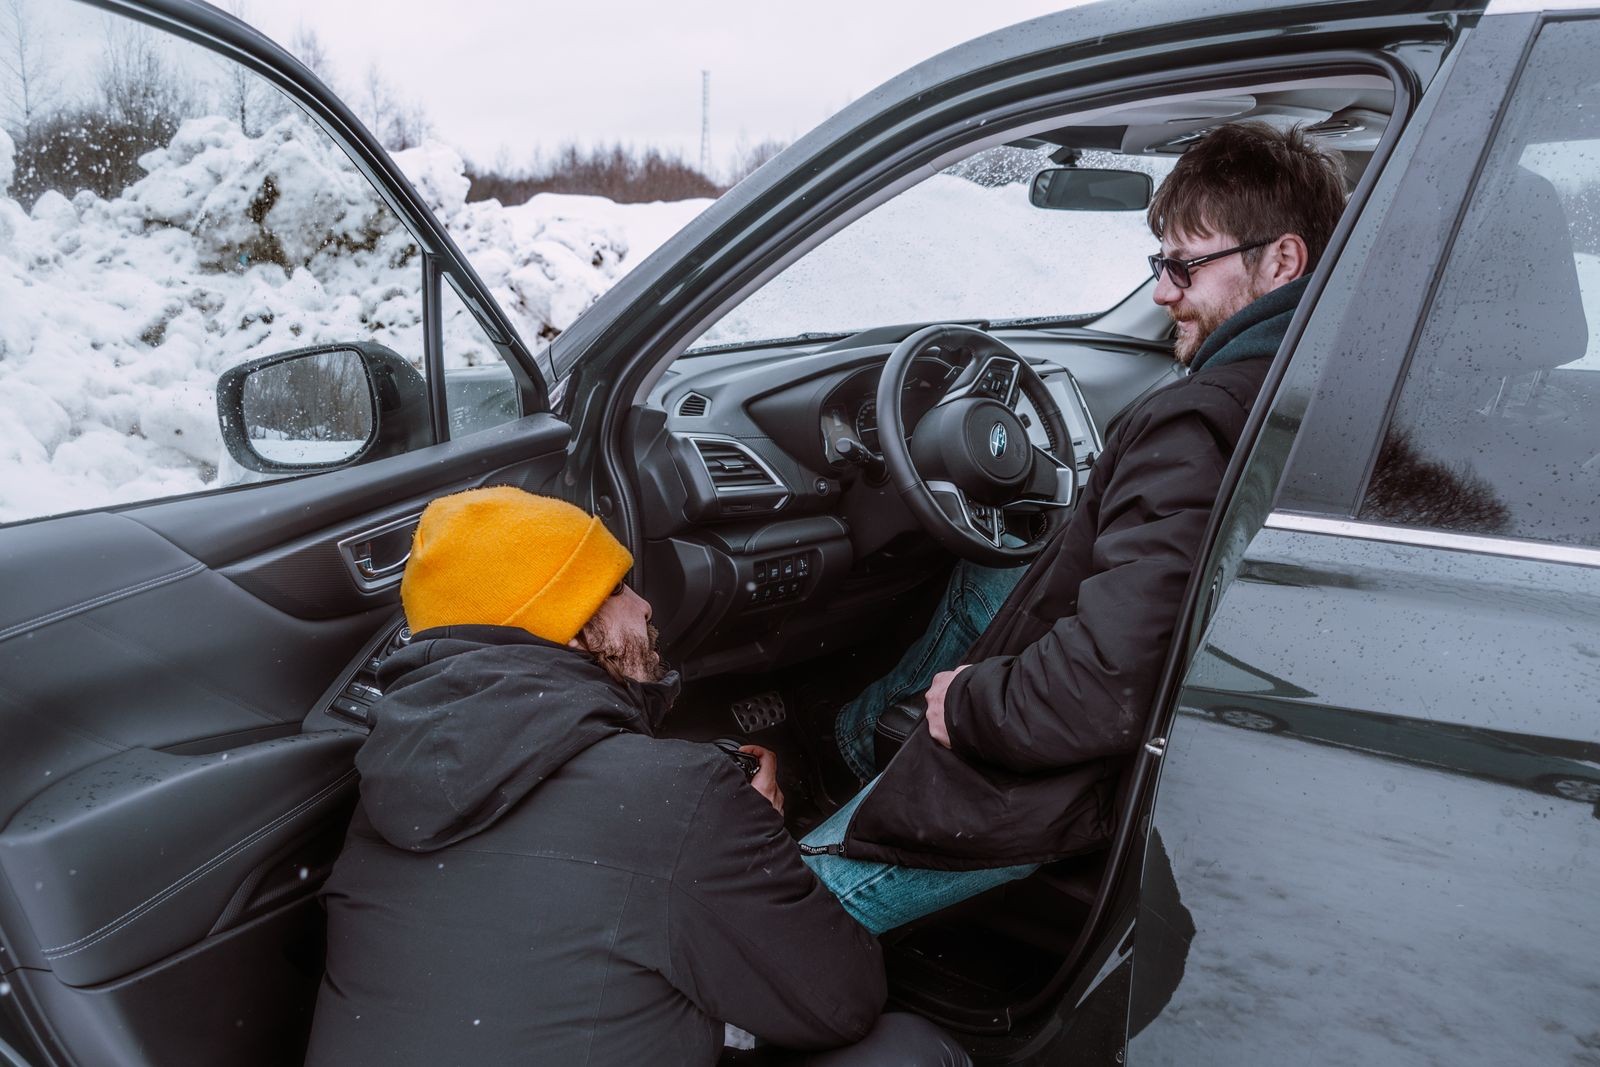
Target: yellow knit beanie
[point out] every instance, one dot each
(505, 557)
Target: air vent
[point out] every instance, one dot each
(732, 467)
(693, 405)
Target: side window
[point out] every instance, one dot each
(479, 390)
(1497, 428)
(166, 215)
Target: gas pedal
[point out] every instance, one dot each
(758, 712)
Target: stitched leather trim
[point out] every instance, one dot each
(99, 601)
(96, 936)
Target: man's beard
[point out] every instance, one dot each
(626, 656)
(1206, 321)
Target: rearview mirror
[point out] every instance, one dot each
(1071, 189)
(321, 408)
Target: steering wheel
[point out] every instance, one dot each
(967, 470)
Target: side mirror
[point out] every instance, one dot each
(1071, 189)
(321, 408)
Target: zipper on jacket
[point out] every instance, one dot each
(822, 850)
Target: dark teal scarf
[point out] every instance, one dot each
(1254, 330)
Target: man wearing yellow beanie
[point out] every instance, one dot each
(509, 558)
(532, 875)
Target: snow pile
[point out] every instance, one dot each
(546, 260)
(121, 313)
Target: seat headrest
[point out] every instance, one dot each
(1510, 303)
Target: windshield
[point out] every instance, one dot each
(965, 244)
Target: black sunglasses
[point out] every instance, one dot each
(1178, 269)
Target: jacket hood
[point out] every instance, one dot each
(474, 718)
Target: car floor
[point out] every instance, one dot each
(812, 777)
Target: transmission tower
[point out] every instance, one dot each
(705, 123)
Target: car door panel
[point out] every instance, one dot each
(1332, 881)
(243, 997)
(222, 528)
(165, 820)
(141, 855)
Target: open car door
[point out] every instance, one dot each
(191, 602)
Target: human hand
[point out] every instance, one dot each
(766, 780)
(935, 698)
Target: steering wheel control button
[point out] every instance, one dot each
(996, 381)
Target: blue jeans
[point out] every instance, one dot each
(971, 599)
(882, 896)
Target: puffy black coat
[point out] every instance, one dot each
(531, 877)
(1061, 683)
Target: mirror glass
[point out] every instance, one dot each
(1071, 189)
(310, 411)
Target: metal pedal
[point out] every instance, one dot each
(759, 712)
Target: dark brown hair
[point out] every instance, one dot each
(1254, 183)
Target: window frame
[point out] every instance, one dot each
(1354, 358)
(231, 39)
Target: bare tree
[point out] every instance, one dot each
(138, 85)
(747, 157)
(625, 174)
(396, 123)
(34, 89)
(247, 98)
(308, 48)
(408, 127)
(377, 101)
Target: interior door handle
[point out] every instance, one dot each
(377, 556)
(372, 571)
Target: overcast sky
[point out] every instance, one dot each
(496, 75)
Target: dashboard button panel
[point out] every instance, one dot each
(779, 579)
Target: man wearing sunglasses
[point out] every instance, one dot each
(1026, 737)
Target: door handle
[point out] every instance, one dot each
(377, 556)
(373, 572)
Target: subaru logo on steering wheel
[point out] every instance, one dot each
(997, 440)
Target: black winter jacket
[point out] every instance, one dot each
(1061, 683)
(531, 877)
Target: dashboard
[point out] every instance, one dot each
(770, 530)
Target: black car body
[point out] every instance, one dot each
(181, 679)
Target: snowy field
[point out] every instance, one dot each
(950, 248)
(1453, 949)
